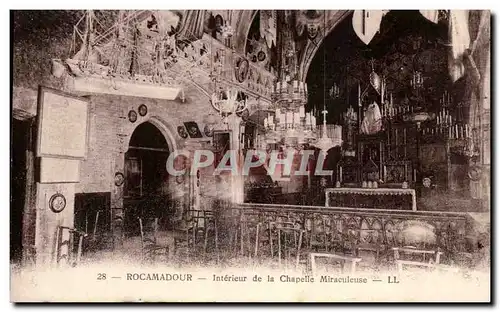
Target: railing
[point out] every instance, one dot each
(445, 231)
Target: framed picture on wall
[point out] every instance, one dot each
(193, 130)
(221, 144)
(63, 124)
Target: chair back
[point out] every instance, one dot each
(66, 251)
(149, 230)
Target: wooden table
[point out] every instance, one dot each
(372, 192)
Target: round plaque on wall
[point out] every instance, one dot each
(143, 110)
(241, 69)
(119, 179)
(57, 202)
(132, 116)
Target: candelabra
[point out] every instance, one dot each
(334, 91)
(227, 102)
(290, 124)
(417, 81)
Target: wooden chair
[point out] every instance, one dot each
(289, 236)
(347, 263)
(371, 241)
(429, 259)
(317, 236)
(149, 240)
(250, 228)
(210, 232)
(198, 227)
(183, 238)
(65, 245)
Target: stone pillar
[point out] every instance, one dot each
(47, 221)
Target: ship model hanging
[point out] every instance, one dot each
(132, 57)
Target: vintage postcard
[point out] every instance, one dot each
(250, 156)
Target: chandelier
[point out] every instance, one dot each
(290, 125)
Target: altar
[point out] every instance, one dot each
(372, 198)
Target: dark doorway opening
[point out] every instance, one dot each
(146, 192)
(19, 146)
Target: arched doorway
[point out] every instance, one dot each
(146, 191)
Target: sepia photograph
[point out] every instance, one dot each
(250, 155)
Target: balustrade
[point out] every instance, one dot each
(349, 231)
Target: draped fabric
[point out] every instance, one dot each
(192, 23)
(366, 23)
(460, 42)
(372, 121)
(431, 15)
(268, 26)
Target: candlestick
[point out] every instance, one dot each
(359, 94)
(382, 89)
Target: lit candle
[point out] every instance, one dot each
(382, 90)
(456, 131)
(359, 94)
(296, 118)
(289, 117)
(302, 111)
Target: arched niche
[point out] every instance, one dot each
(148, 186)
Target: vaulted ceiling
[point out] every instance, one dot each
(406, 42)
